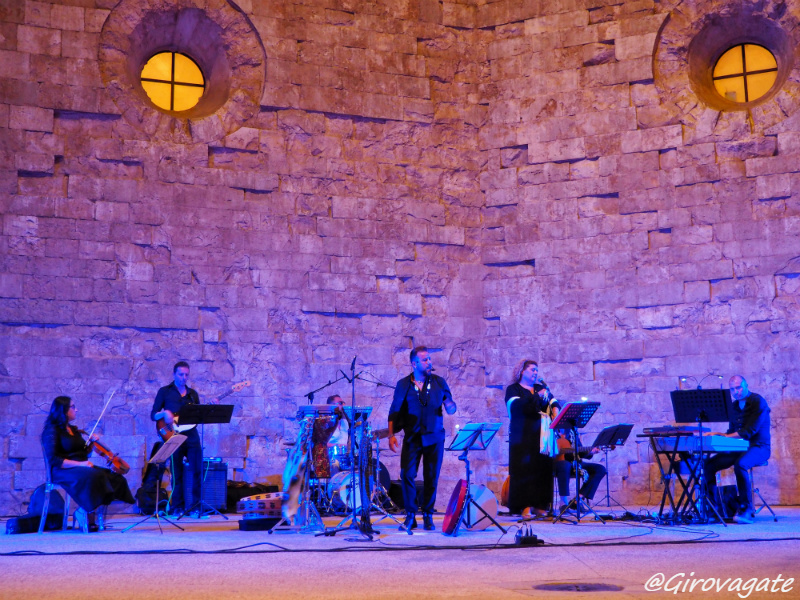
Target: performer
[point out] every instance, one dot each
(530, 472)
(68, 458)
(563, 470)
(168, 403)
(417, 410)
(340, 434)
(750, 421)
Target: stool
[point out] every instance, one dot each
(755, 491)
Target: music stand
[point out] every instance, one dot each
(701, 406)
(472, 436)
(574, 416)
(204, 414)
(611, 437)
(159, 459)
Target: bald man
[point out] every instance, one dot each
(749, 421)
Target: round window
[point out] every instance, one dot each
(745, 73)
(173, 81)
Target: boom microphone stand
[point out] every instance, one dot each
(363, 525)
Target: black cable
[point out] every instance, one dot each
(387, 548)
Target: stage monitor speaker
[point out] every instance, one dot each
(396, 492)
(215, 484)
(259, 524)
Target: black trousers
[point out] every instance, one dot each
(564, 470)
(741, 463)
(431, 456)
(193, 452)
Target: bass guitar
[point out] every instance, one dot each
(166, 431)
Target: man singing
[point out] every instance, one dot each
(417, 411)
(750, 421)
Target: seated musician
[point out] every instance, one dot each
(68, 458)
(340, 434)
(750, 421)
(564, 470)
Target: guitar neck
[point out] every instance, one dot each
(224, 394)
(570, 450)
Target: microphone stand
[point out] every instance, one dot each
(363, 526)
(310, 395)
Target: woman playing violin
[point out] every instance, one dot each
(67, 455)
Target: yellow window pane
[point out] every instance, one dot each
(731, 89)
(759, 58)
(186, 97)
(186, 71)
(729, 63)
(158, 93)
(159, 67)
(758, 85)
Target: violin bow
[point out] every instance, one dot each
(102, 412)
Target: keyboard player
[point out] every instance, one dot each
(749, 421)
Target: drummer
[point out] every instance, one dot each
(340, 434)
(338, 450)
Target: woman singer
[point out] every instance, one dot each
(530, 472)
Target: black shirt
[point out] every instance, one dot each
(169, 398)
(420, 414)
(752, 423)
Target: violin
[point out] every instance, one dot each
(115, 463)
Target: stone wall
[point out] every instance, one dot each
(633, 235)
(494, 180)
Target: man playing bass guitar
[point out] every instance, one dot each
(169, 401)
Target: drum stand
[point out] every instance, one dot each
(307, 518)
(379, 494)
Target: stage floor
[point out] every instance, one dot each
(213, 560)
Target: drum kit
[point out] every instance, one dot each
(331, 490)
(321, 479)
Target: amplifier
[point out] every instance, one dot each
(215, 484)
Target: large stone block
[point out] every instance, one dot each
(39, 40)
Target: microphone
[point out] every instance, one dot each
(353, 364)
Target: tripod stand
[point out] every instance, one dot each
(379, 493)
(202, 414)
(161, 457)
(609, 438)
(574, 416)
(357, 484)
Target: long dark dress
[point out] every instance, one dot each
(530, 472)
(90, 487)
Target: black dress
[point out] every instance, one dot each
(90, 487)
(530, 472)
